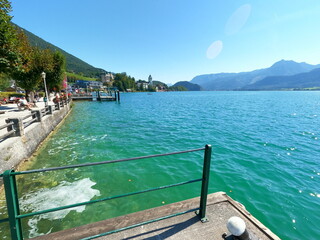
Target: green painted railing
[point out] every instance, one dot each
(14, 219)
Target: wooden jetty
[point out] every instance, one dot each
(220, 207)
(97, 96)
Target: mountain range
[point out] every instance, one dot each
(281, 75)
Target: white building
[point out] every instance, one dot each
(107, 77)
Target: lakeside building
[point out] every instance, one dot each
(160, 89)
(107, 78)
(88, 84)
(143, 85)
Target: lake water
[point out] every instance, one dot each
(265, 155)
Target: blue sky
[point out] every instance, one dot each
(175, 40)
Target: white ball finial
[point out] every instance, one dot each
(236, 226)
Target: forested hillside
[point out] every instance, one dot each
(73, 64)
(188, 85)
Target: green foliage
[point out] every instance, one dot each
(35, 62)
(151, 88)
(8, 94)
(72, 77)
(124, 82)
(177, 88)
(30, 77)
(4, 81)
(9, 55)
(187, 85)
(56, 75)
(159, 84)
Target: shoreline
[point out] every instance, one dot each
(19, 150)
(24, 163)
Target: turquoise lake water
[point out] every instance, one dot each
(265, 155)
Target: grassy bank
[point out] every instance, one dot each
(74, 76)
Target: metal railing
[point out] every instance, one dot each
(29, 122)
(14, 219)
(61, 103)
(14, 125)
(10, 130)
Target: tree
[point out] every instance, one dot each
(4, 81)
(124, 82)
(56, 75)
(177, 88)
(30, 77)
(9, 56)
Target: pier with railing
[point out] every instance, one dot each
(204, 217)
(110, 95)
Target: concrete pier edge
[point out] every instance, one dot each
(15, 151)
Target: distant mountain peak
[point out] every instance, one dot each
(285, 63)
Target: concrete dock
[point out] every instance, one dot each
(220, 207)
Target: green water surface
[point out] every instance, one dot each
(265, 155)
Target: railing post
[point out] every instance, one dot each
(205, 183)
(10, 128)
(12, 205)
(17, 125)
(50, 109)
(37, 115)
(118, 96)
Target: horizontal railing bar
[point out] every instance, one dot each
(140, 224)
(6, 125)
(32, 120)
(7, 134)
(25, 117)
(105, 199)
(103, 162)
(26, 124)
(4, 220)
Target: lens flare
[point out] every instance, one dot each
(238, 19)
(214, 49)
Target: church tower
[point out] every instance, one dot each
(150, 80)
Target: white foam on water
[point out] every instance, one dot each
(104, 136)
(64, 194)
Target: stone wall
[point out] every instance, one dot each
(16, 149)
